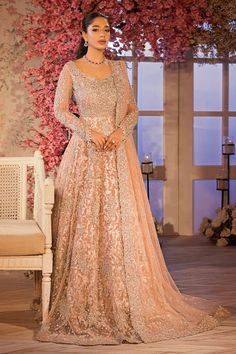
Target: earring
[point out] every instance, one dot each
(85, 43)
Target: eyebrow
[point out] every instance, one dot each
(99, 26)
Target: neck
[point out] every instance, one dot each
(95, 55)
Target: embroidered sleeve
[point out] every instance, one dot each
(131, 118)
(61, 106)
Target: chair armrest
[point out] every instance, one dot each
(43, 199)
(48, 191)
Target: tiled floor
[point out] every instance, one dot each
(198, 267)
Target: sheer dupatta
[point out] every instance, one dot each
(158, 309)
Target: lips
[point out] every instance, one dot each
(102, 42)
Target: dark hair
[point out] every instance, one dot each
(87, 20)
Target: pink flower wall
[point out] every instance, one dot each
(46, 34)
(53, 34)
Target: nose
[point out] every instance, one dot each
(103, 33)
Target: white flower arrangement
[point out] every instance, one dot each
(222, 229)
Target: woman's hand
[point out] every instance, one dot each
(98, 139)
(114, 140)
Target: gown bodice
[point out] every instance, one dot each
(95, 98)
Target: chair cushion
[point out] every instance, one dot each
(20, 237)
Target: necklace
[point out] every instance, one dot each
(94, 62)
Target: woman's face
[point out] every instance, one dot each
(98, 33)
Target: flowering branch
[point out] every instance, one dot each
(52, 32)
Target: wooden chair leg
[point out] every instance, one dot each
(46, 289)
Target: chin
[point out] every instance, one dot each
(102, 47)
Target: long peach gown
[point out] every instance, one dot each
(110, 283)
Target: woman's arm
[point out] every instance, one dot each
(61, 106)
(131, 118)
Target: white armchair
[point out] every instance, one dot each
(26, 244)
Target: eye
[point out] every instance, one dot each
(95, 30)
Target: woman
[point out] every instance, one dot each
(110, 281)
